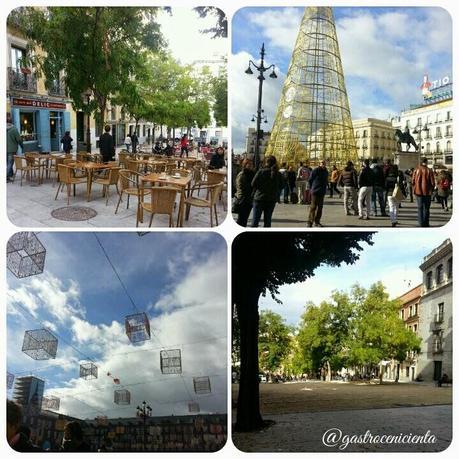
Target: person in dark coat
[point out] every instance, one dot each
(377, 196)
(348, 180)
(266, 185)
(73, 439)
(318, 183)
(218, 159)
(66, 142)
(107, 145)
(134, 142)
(243, 194)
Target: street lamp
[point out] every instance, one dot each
(87, 98)
(144, 412)
(261, 69)
(419, 130)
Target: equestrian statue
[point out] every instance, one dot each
(405, 137)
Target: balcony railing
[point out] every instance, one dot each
(22, 80)
(57, 88)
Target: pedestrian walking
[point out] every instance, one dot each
(266, 186)
(13, 141)
(409, 185)
(390, 178)
(66, 142)
(318, 182)
(365, 182)
(285, 190)
(107, 145)
(184, 145)
(242, 201)
(302, 183)
(377, 196)
(395, 197)
(348, 180)
(128, 143)
(423, 186)
(334, 176)
(134, 142)
(291, 183)
(443, 189)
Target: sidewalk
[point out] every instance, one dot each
(303, 432)
(296, 215)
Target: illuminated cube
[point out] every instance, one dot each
(137, 327)
(25, 255)
(122, 397)
(88, 371)
(201, 385)
(171, 361)
(40, 344)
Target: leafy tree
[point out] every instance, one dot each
(262, 262)
(220, 30)
(100, 49)
(273, 341)
(379, 332)
(220, 97)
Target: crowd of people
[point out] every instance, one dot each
(375, 189)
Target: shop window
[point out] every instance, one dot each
(27, 125)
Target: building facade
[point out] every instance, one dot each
(410, 313)
(251, 139)
(436, 318)
(431, 122)
(28, 392)
(374, 138)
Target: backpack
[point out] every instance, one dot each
(444, 184)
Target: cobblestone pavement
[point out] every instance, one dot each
(31, 206)
(304, 432)
(296, 215)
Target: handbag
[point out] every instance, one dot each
(236, 206)
(397, 193)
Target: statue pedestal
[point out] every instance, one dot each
(406, 159)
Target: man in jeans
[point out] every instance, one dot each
(423, 186)
(348, 180)
(318, 182)
(378, 188)
(302, 183)
(366, 182)
(13, 140)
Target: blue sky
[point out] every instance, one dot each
(179, 280)
(393, 260)
(385, 53)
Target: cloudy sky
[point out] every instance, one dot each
(393, 261)
(179, 280)
(185, 41)
(385, 53)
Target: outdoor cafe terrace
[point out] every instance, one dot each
(141, 189)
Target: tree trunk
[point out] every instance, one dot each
(381, 373)
(248, 404)
(328, 379)
(153, 137)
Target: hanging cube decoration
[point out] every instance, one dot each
(9, 380)
(122, 397)
(39, 344)
(25, 255)
(193, 407)
(51, 403)
(201, 385)
(88, 371)
(171, 362)
(137, 327)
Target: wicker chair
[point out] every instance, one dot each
(214, 192)
(129, 182)
(108, 177)
(123, 158)
(27, 166)
(50, 167)
(161, 201)
(67, 177)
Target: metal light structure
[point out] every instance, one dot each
(171, 361)
(261, 69)
(193, 407)
(122, 397)
(9, 380)
(51, 403)
(25, 254)
(40, 344)
(88, 371)
(201, 385)
(313, 120)
(137, 327)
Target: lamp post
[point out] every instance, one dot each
(144, 412)
(87, 98)
(261, 69)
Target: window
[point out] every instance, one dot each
(365, 134)
(437, 147)
(437, 344)
(448, 146)
(415, 328)
(438, 118)
(449, 131)
(440, 312)
(401, 314)
(27, 125)
(407, 372)
(17, 57)
(439, 274)
(144, 130)
(427, 147)
(429, 121)
(411, 311)
(438, 131)
(450, 268)
(448, 116)
(416, 309)
(429, 280)
(419, 123)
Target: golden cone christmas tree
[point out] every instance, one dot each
(313, 120)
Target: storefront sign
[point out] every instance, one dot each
(38, 104)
